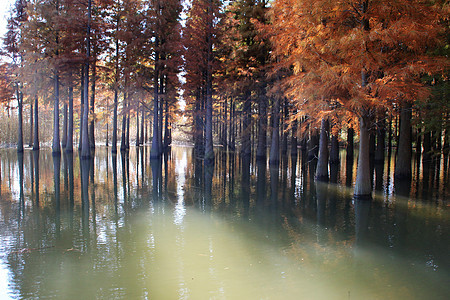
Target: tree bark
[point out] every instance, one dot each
(154, 152)
(80, 141)
(334, 152)
(92, 123)
(294, 150)
(275, 144)
(69, 141)
(19, 96)
(30, 143)
(261, 151)
(381, 135)
(123, 144)
(56, 148)
(403, 162)
(85, 149)
(350, 142)
(363, 185)
(322, 164)
(36, 123)
(246, 130)
(64, 133)
(114, 137)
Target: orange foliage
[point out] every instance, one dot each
(328, 45)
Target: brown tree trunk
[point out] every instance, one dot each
(363, 184)
(403, 162)
(275, 144)
(69, 141)
(334, 152)
(322, 164)
(36, 123)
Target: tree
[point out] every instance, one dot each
(363, 55)
(12, 43)
(199, 40)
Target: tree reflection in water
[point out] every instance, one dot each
(232, 224)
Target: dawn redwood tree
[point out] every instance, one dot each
(362, 54)
(12, 42)
(200, 36)
(244, 59)
(85, 149)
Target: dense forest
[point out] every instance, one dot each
(265, 78)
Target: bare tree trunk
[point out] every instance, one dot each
(69, 142)
(154, 152)
(334, 152)
(80, 141)
(123, 144)
(275, 145)
(64, 133)
(56, 148)
(114, 137)
(19, 96)
(36, 123)
(142, 141)
(381, 135)
(363, 185)
(294, 150)
(350, 142)
(138, 139)
(322, 164)
(85, 149)
(403, 162)
(30, 143)
(92, 125)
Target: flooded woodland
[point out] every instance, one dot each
(211, 149)
(125, 226)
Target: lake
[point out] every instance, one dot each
(125, 227)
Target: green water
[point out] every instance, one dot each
(120, 227)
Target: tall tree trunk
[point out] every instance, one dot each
(92, 123)
(30, 143)
(154, 152)
(161, 111)
(284, 132)
(261, 150)
(166, 127)
(56, 148)
(403, 162)
(350, 142)
(246, 130)
(138, 138)
(64, 133)
(427, 146)
(209, 149)
(19, 96)
(127, 140)
(69, 141)
(142, 141)
(322, 164)
(85, 149)
(363, 185)
(80, 140)
(225, 126)
(381, 135)
(36, 123)
(274, 158)
(294, 150)
(123, 144)
(107, 123)
(114, 137)
(334, 152)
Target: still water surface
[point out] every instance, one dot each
(122, 227)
